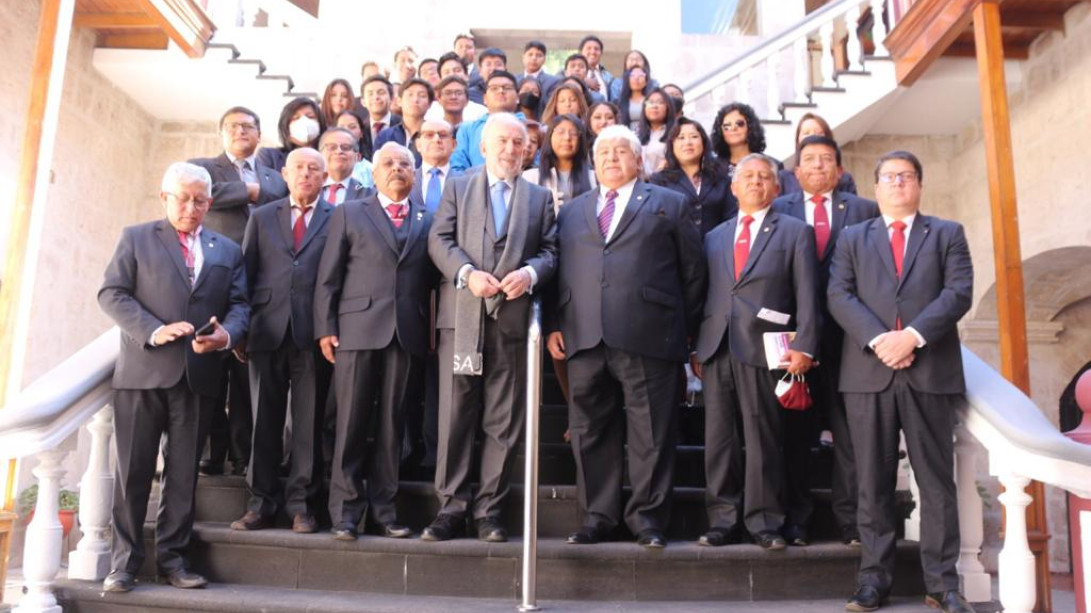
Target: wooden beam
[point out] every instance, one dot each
(1025, 20)
(1011, 304)
(142, 40)
(1012, 51)
(183, 21)
(102, 21)
(924, 33)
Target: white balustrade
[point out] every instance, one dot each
(44, 537)
(772, 85)
(878, 28)
(976, 583)
(913, 522)
(91, 559)
(853, 53)
(825, 36)
(742, 87)
(802, 68)
(1016, 562)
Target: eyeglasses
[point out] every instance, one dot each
(898, 177)
(199, 202)
(654, 102)
(738, 124)
(334, 148)
(453, 93)
(238, 125)
(500, 89)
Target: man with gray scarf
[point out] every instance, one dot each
(493, 239)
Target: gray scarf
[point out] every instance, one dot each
(470, 311)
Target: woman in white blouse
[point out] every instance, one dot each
(564, 165)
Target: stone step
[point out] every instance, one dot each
(622, 571)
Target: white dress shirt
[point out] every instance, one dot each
(624, 194)
(344, 183)
(827, 203)
(297, 208)
(755, 226)
(908, 221)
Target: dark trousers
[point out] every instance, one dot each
(763, 431)
(618, 398)
(363, 382)
(304, 376)
(144, 421)
(229, 422)
(723, 443)
(831, 407)
(928, 422)
(493, 402)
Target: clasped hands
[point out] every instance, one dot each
(483, 285)
(895, 348)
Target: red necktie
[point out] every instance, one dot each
(331, 196)
(187, 254)
(821, 224)
(397, 213)
(300, 227)
(897, 245)
(607, 213)
(377, 127)
(742, 246)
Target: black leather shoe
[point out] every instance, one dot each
(866, 598)
(394, 530)
(344, 531)
(796, 536)
(183, 579)
(119, 581)
(850, 536)
(651, 539)
(252, 520)
(949, 602)
(587, 535)
(490, 530)
(718, 537)
(207, 467)
(444, 528)
(770, 541)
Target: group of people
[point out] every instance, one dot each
(372, 279)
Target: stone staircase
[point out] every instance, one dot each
(276, 570)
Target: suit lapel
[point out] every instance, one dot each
(796, 207)
(284, 224)
(518, 218)
(226, 167)
(840, 215)
(374, 211)
(416, 224)
(636, 202)
(319, 218)
(917, 236)
(169, 237)
(590, 214)
(210, 254)
(880, 242)
(758, 243)
(729, 247)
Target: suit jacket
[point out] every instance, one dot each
(420, 182)
(230, 204)
(146, 286)
(400, 135)
(708, 209)
(535, 229)
(640, 292)
(789, 184)
(867, 298)
(281, 279)
(780, 275)
(369, 289)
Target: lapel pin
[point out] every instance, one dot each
(841, 206)
(420, 215)
(765, 230)
(210, 245)
(640, 197)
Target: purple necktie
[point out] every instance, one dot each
(607, 214)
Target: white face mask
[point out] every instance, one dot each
(303, 129)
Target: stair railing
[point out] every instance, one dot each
(530, 480)
(754, 77)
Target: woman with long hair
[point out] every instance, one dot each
(635, 87)
(566, 99)
(530, 97)
(691, 171)
(599, 116)
(633, 59)
(736, 133)
(337, 97)
(655, 122)
(564, 165)
(811, 125)
(301, 125)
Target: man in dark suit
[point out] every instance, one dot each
(629, 292)
(415, 96)
(281, 248)
(762, 278)
(818, 170)
(167, 279)
(371, 323)
(341, 151)
(898, 286)
(534, 55)
(239, 184)
(494, 241)
(376, 94)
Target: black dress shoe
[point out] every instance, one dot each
(718, 537)
(304, 523)
(445, 527)
(651, 539)
(207, 467)
(866, 598)
(850, 536)
(796, 536)
(394, 530)
(119, 581)
(238, 469)
(252, 520)
(183, 579)
(587, 535)
(770, 541)
(345, 531)
(949, 602)
(490, 530)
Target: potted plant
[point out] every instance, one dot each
(68, 505)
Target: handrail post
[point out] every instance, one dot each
(530, 481)
(91, 559)
(44, 538)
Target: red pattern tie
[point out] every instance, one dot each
(299, 230)
(897, 246)
(821, 224)
(331, 195)
(187, 255)
(742, 246)
(377, 127)
(397, 213)
(607, 214)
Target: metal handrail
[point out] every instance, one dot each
(530, 481)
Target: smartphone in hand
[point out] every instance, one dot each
(206, 329)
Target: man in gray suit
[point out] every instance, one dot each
(818, 170)
(282, 247)
(371, 322)
(494, 241)
(629, 291)
(239, 184)
(762, 278)
(167, 279)
(898, 286)
(341, 151)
